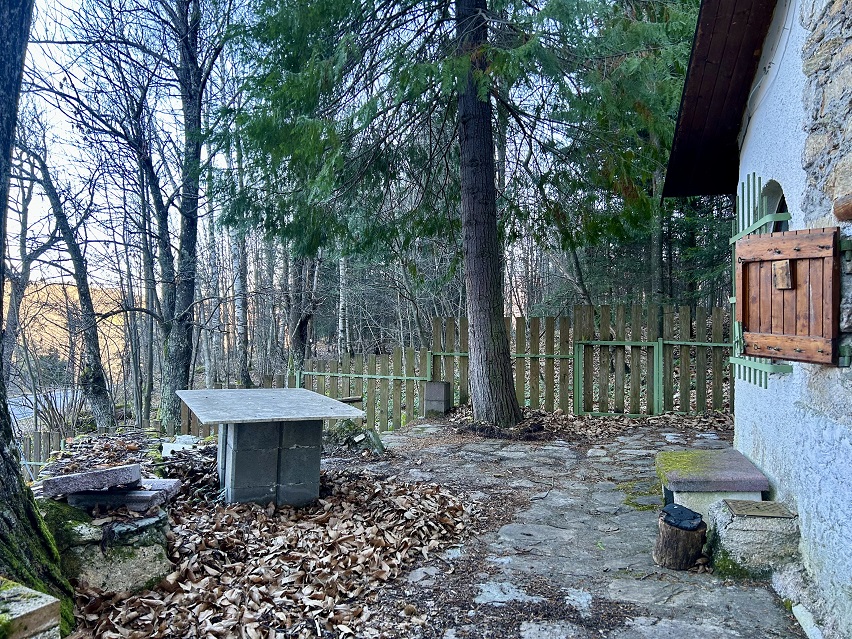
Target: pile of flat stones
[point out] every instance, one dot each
(110, 526)
(111, 488)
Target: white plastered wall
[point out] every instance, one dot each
(799, 429)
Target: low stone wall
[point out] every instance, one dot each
(112, 555)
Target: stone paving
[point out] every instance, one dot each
(582, 544)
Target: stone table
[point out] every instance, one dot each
(270, 440)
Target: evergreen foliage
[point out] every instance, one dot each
(350, 127)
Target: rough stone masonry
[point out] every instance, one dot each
(827, 65)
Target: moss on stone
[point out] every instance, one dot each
(157, 460)
(684, 461)
(66, 617)
(727, 567)
(5, 625)
(635, 488)
(61, 519)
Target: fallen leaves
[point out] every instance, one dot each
(245, 570)
(590, 430)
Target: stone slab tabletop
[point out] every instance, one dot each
(101, 479)
(246, 406)
(723, 470)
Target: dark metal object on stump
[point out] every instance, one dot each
(681, 536)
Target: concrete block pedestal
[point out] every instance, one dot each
(263, 462)
(437, 399)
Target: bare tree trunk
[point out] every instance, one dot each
(579, 281)
(27, 553)
(133, 338)
(20, 280)
(240, 274)
(192, 77)
(92, 376)
(304, 301)
(13, 322)
(491, 382)
(342, 323)
(150, 305)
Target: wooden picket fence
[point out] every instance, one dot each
(637, 361)
(650, 360)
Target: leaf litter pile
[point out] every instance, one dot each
(244, 570)
(585, 431)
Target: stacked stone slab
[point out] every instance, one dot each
(115, 555)
(111, 488)
(103, 479)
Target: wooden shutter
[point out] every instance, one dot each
(788, 294)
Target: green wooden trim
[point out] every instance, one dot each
(658, 378)
(578, 379)
(670, 342)
(767, 367)
(844, 358)
(365, 376)
(666, 342)
(597, 342)
(766, 219)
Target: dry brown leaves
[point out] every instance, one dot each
(541, 426)
(92, 452)
(247, 571)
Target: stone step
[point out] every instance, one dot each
(129, 475)
(724, 470)
(752, 537)
(697, 478)
(155, 492)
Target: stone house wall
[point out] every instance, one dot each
(798, 132)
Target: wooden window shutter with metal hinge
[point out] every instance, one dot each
(788, 294)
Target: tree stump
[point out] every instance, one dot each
(680, 539)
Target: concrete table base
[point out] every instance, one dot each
(272, 461)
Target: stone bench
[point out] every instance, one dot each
(698, 478)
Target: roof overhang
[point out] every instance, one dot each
(725, 54)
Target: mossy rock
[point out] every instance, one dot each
(685, 462)
(70, 527)
(727, 567)
(347, 434)
(61, 520)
